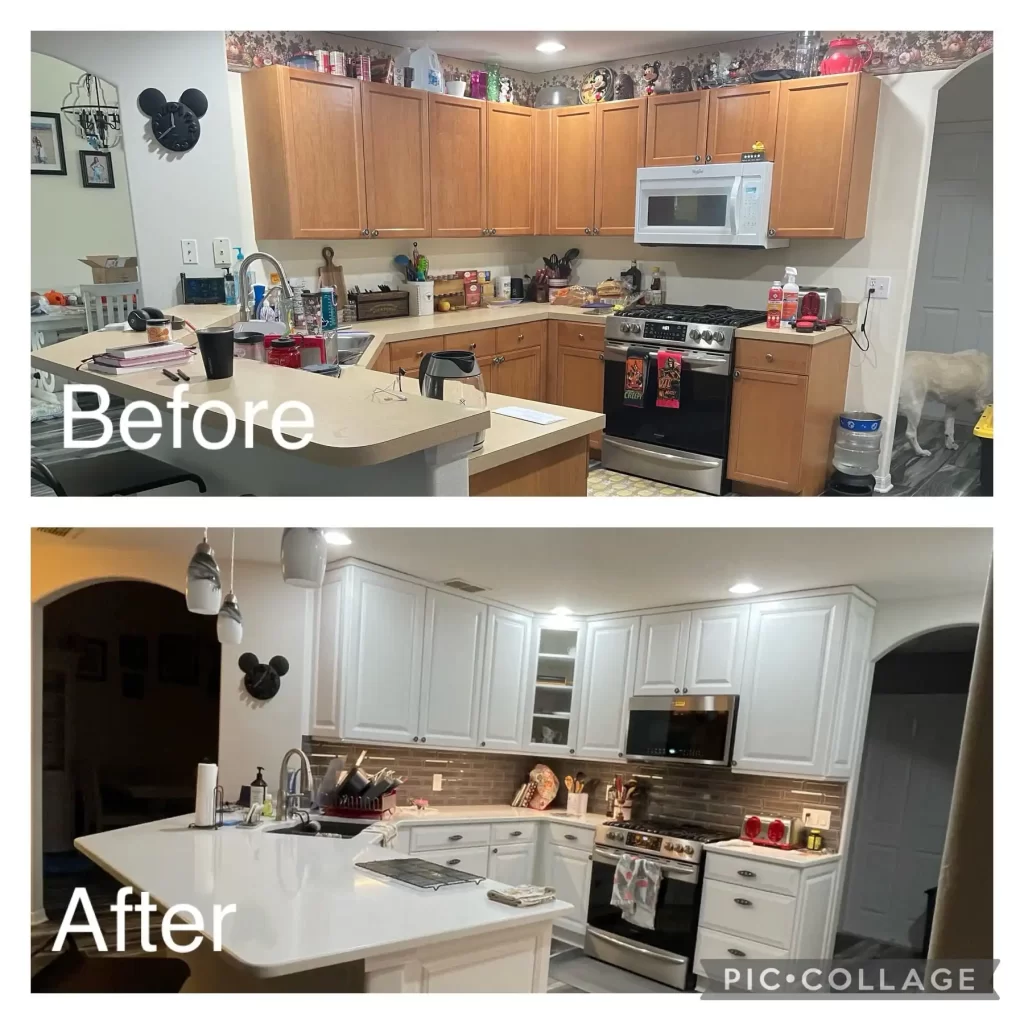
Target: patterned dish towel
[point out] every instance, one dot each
(635, 889)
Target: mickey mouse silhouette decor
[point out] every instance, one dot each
(175, 125)
(262, 681)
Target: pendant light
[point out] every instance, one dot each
(202, 581)
(303, 556)
(229, 618)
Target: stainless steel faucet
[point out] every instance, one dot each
(286, 801)
(243, 285)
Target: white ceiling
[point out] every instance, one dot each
(599, 570)
(518, 49)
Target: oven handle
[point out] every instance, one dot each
(686, 461)
(647, 951)
(699, 362)
(682, 873)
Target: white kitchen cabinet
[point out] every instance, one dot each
(453, 659)
(326, 705)
(850, 716)
(473, 859)
(512, 863)
(607, 682)
(552, 692)
(383, 658)
(505, 678)
(664, 640)
(718, 642)
(568, 870)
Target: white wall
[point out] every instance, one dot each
(70, 221)
(174, 196)
(896, 621)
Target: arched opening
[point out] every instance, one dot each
(911, 747)
(130, 703)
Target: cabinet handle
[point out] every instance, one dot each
(600, 356)
(580, 336)
(572, 750)
(769, 357)
(473, 346)
(735, 374)
(454, 861)
(597, 231)
(570, 837)
(771, 232)
(483, 743)
(454, 839)
(493, 231)
(686, 689)
(734, 764)
(707, 158)
(586, 231)
(495, 850)
(415, 739)
(519, 337)
(365, 232)
(620, 753)
(747, 874)
(514, 834)
(374, 233)
(736, 952)
(696, 159)
(742, 901)
(676, 690)
(483, 231)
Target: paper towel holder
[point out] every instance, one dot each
(218, 803)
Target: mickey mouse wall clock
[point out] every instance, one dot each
(175, 124)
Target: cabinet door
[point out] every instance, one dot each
(453, 657)
(579, 381)
(506, 664)
(663, 643)
(607, 684)
(473, 859)
(573, 134)
(327, 672)
(718, 642)
(621, 141)
(458, 160)
(677, 128)
(511, 169)
(568, 871)
(384, 655)
(512, 864)
(740, 116)
(396, 150)
(767, 429)
(519, 374)
(851, 708)
(794, 650)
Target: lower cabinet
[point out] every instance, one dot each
(473, 859)
(518, 366)
(566, 867)
(512, 864)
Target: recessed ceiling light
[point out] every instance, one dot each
(561, 610)
(336, 538)
(550, 47)
(744, 588)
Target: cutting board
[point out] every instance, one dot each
(331, 275)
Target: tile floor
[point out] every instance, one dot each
(606, 483)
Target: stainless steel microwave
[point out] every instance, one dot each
(681, 730)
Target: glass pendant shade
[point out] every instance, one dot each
(303, 557)
(202, 582)
(229, 621)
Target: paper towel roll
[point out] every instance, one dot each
(206, 794)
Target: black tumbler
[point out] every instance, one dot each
(217, 347)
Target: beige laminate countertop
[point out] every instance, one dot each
(761, 332)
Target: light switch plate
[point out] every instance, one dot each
(189, 251)
(222, 252)
(438, 779)
(817, 817)
(881, 286)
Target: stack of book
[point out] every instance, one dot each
(133, 358)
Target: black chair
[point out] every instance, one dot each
(71, 971)
(113, 473)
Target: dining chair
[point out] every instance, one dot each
(109, 303)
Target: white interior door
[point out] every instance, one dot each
(952, 304)
(910, 754)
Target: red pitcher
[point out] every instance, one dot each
(845, 56)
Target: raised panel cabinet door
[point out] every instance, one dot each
(608, 670)
(850, 717)
(506, 661)
(384, 654)
(453, 659)
(512, 864)
(397, 155)
(458, 160)
(579, 381)
(511, 169)
(718, 642)
(766, 430)
(677, 128)
(621, 141)
(568, 871)
(664, 640)
(740, 116)
(573, 135)
(519, 374)
(327, 678)
(790, 676)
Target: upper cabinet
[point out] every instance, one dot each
(573, 135)
(511, 169)
(740, 116)
(718, 644)
(506, 675)
(664, 640)
(621, 142)
(677, 128)
(553, 690)
(458, 167)
(823, 151)
(606, 685)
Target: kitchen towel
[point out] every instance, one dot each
(636, 377)
(635, 889)
(669, 372)
(206, 795)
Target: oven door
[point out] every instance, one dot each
(701, 423)
(663, 952)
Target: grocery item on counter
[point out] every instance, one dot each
(790, 297)
(570, 295)
(775, 305)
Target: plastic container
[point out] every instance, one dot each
(427, 73)
(858, 442)
(285, 352)
(249, 345)
(230, 290)
(790, 297)
(983, 431)
(158, 329)
(774, 305)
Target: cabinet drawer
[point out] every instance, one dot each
(570, 835)
(586, 336)
(471, 858)
(758, 875)
(786, 357)
(514, 832)
(712, 945)
(449, 837)
(517, 336)
(407, 353)
(480, 343)
(752, 913)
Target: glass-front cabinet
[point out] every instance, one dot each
(553, 688)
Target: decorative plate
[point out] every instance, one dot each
(547, 786)
(597, 86)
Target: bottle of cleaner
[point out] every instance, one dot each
(775, 305)
(790, 297)
(230, 290)
(258, 788)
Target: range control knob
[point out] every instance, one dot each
(718, 336)
(672, 847)
(705, 335)
(694, 335)
(687, 849)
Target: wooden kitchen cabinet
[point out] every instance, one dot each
(824, 146)
(511, 169)
(396, 152)
(458, 166)
(481, 344)
(739, 116)
(677, 128)
(620, 145)
(576, 375)
(608, 667)
(573, 169)
(518, 366)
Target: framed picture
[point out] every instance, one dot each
(97, 169)
(92, 659)
(47, 144)
(133, 653)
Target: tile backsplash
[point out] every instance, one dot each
(716, 797)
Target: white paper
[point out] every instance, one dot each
(530, 415)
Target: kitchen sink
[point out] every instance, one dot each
(331, 829)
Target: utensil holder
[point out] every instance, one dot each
(623, 811)
(576, 803)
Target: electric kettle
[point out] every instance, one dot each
(454, 376)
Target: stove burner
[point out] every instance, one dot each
(717, 316)
(675, 830)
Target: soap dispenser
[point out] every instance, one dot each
(258, 789)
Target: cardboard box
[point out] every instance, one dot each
(112, 269)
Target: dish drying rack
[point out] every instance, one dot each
(358, 807)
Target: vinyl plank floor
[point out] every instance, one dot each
(942, 474)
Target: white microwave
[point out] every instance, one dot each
(709, 204)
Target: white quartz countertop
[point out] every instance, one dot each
(491, 812)
(795, 858)
(302, 902)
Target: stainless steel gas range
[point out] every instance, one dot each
(664, 952)
(687, 444)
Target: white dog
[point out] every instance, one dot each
(951, 379)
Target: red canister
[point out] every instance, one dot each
(285, 352)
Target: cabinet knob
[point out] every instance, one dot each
(734, 764)
(483, 231)
(365, 232)
(571, 750)
(676, 690)
(519, 337)
(374, 233)
(597, 231)
(620, 753)
(769, 358)
(686, 689)
(771, 232)
(586, 231)
(420, 352)
(600, 356)
(696, 159)
(415, 739)
(707, 158)
(483, 743)
(736, 374)
(473, 346)
(580, 336)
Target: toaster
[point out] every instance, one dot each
(823, 303)
(782, 833)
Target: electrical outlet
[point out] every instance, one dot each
(222, 252)
(816, 817)
(881, 286)
(189, 251)
(438, 779)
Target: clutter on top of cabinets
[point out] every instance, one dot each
(650, 76)
(681, 79)
(624, 87)
(596, 85)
